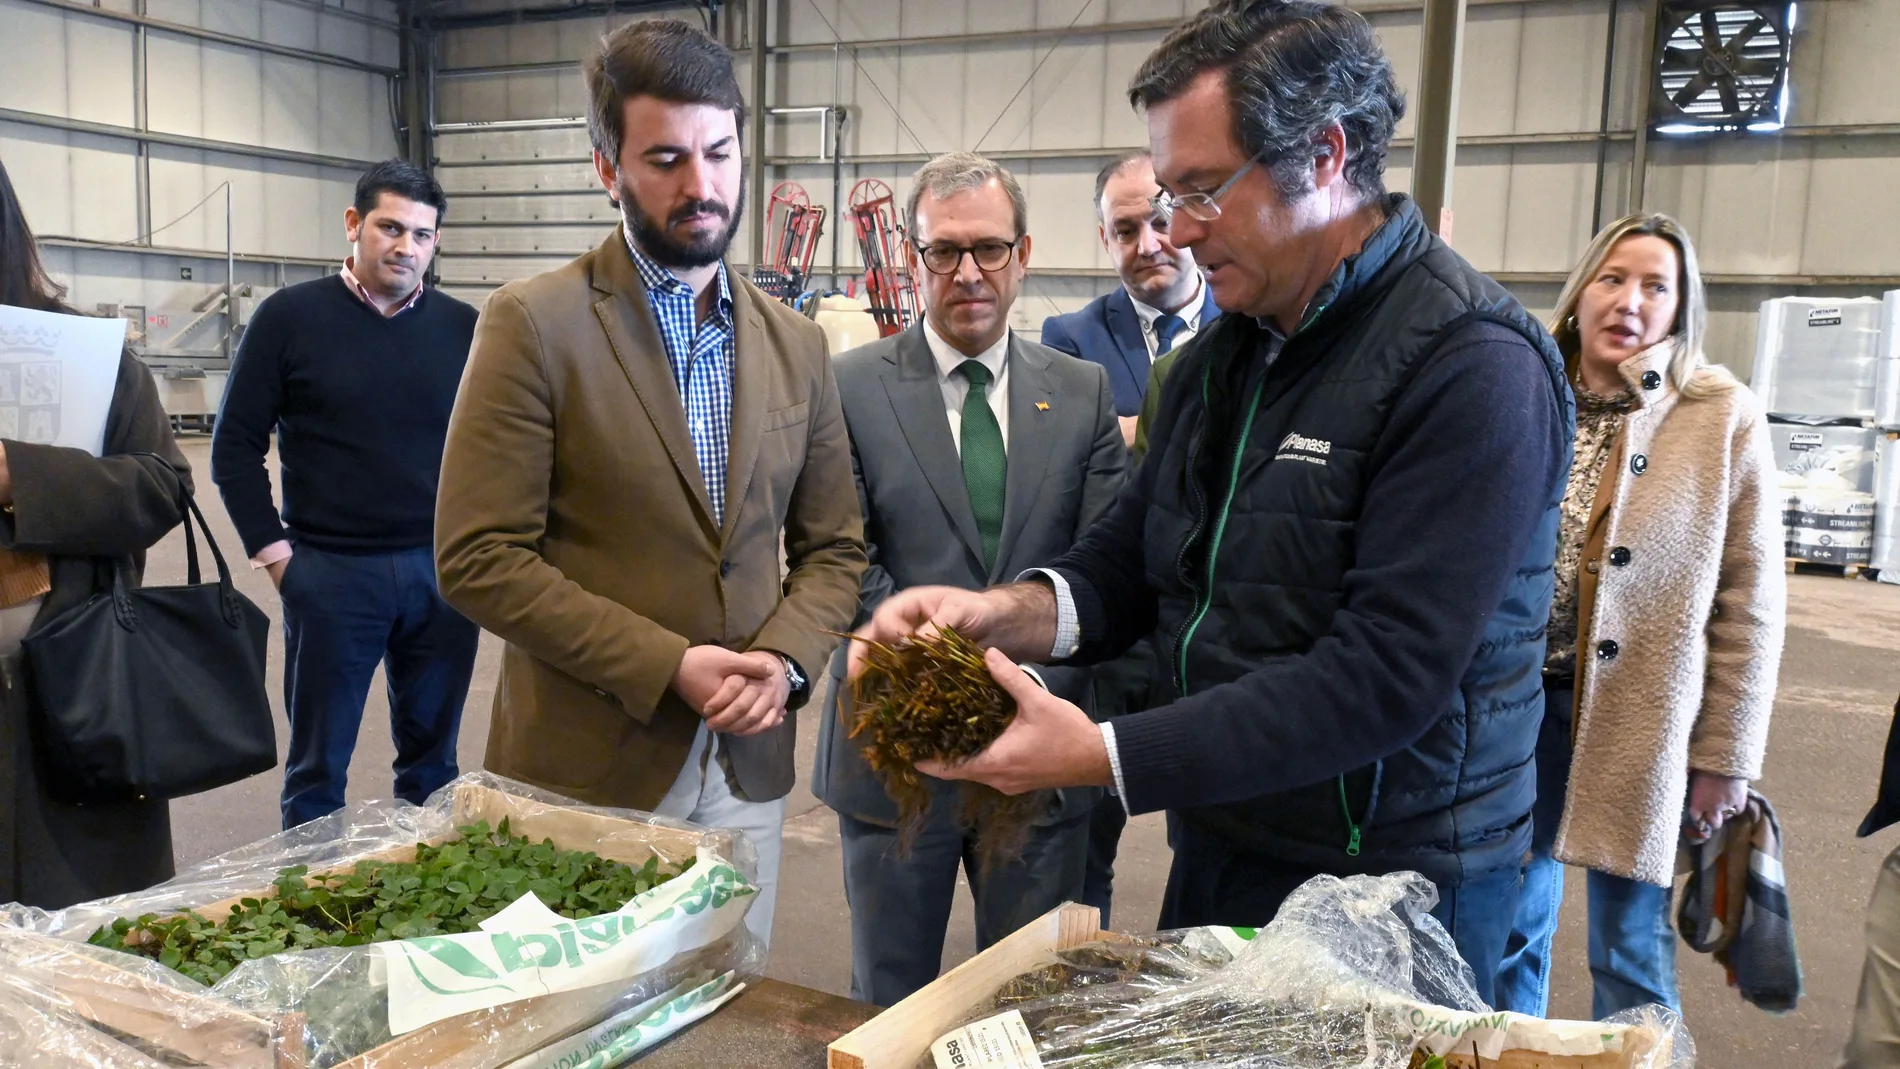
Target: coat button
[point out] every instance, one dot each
(1651, 380)
(1620, 556)
(1639, 463)
(1607, 650)
(725, 568)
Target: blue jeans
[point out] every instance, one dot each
(1632, 945)
(345, 613)
(1212, 883)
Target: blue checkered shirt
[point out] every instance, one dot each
(701, 356)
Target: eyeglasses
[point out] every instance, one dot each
(1202, 206)
(943, 258)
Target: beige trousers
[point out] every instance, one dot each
(1875, 1040)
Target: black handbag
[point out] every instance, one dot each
(152, 692)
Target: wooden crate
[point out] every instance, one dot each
(125, 1002)
(902, 1035)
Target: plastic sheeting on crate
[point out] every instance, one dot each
(1825, 457)
(1828, 526)
(1817, 358)
(1886, 552)
(1887, 366)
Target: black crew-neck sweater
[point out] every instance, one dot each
(360, 404)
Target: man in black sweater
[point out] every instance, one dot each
(356, 372)
(1342, 536)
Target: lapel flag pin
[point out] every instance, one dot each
(1042, 406)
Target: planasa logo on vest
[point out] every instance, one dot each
(1308, 450)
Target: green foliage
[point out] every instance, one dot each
(447, 889)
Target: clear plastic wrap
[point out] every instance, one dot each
(528, 979)
(1352, 974)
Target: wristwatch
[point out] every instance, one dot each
(800, 686)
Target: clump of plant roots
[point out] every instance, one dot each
(930, 698)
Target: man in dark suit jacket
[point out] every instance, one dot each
(977, 455)
(1161, 303)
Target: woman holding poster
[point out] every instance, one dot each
(65, 514)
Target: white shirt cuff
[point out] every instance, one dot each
(1114, 760)
(271, 554)
(1068, 625)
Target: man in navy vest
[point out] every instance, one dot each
(1341, 539)
(1162, 302)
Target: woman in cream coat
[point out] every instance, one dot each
(1666, 627)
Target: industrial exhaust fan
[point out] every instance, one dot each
(1721, 65)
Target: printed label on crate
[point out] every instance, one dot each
(440, 976)
(999, 1042)
(1805, 440)
(1445, 1031)
(1824, 317)
(1233, 940)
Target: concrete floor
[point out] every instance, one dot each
(1839, 679)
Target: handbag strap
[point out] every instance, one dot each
(193, 575)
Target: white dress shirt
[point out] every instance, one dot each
(956, 388)
(1190, 314)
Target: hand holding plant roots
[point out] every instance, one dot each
(930, 698)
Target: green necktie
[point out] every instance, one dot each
(984, 462)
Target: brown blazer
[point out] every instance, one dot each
(572, 522)
(1697, 610)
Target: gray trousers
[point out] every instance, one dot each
(900, 907)
(1875, 1040)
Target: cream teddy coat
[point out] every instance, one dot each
(1682, 607)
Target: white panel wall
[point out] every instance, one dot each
(1786, 205)
(523, 201)
(64, 65)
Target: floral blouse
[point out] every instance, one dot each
(1599, 423)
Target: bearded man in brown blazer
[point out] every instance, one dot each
(634, 432)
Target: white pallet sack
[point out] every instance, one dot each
(1887, 365)
(1886, 554)
(1826, 457)
(1831, 527)
(1817, 358)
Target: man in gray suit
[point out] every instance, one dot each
(978, 455)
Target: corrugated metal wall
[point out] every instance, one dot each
(284, 99)
(1774, 213)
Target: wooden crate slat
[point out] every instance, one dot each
(202, 1029)
(491, 1037)
(170, 1019)
(896, 1038)
(903, 1034)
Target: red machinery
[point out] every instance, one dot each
(793, 224)
(888, 284)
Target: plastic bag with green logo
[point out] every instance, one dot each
(526, 920)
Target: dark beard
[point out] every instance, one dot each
(658, 241)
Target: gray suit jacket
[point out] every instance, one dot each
(1066, 464)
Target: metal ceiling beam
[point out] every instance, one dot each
(499, 125)
(343, 13)
(1521, 278)
(759, 10)
(1555, 137)
(199, 33)
(1435, 153)
(560, 67)
(1645, 98)
(154, 137)
(1154, 26)
(58, 241)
